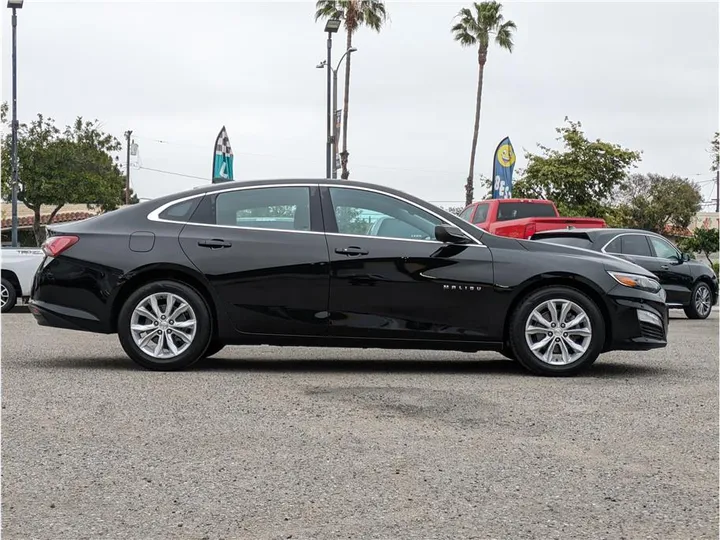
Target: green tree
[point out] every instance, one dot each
(703, 241)
(715, 152)
(653, 202)
(354, 13)
(55, 168)
(580, 179)
(476, 28)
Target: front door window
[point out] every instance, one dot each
(366, 213)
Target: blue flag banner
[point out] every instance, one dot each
(223, 159)
(503, 166)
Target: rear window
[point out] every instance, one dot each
(519, 210)
(572, 241)
(481, 213)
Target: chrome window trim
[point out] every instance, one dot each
(155, 214)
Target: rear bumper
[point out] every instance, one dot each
(63, 317)
(638, 324)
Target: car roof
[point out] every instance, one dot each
(533, 201)
(594, 234)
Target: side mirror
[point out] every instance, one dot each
(685, 257)
(449, 234)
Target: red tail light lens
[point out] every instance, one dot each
(55, 245)
(530, 229)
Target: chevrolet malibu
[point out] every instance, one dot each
(335, 264)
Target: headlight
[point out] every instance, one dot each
(636, 281)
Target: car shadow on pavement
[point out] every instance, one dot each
(498, 366)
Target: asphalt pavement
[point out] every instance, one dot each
(264, 442)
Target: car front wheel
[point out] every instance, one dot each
(701, 301)
(165, 326)
(557, 331)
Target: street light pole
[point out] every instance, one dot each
(331, 26)
(127, 168)
(328, 146)
(14, 5)
(335, 95)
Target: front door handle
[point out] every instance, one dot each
(664, 267)
(351, 251)
(214, 243)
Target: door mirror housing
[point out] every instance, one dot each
(449, 234)
(684, 257)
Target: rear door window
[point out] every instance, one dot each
(279, 208)
(519, 210)
(635, 244)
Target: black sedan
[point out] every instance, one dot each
(690, 285)
(343, 264)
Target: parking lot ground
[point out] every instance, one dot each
(263, 442)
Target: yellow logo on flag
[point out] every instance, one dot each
(506, 156)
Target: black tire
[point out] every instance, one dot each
(520, 316)
(200, 341)
(214, 348)
(692, 310)
(9, 289)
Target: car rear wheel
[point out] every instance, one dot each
(8, 296)
(701, 301)
(165, 326)
(557, 331)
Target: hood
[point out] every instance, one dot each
(610, 262)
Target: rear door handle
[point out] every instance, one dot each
(214, 243)
(664, 267)
(351, 251)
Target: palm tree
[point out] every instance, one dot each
(355, 13)
(477, 28)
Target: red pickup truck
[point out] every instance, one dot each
(521, 218)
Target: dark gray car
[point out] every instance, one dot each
(689, 284)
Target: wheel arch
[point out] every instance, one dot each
(172, 272)
(13, 279)
(571, 281)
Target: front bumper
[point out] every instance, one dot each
(638, 324)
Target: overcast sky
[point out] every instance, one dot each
(643, 75)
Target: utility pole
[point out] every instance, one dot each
(127, 167)
(14, 200)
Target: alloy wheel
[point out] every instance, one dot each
(163, 325)
(4, 295)
(703, 300)
(558, 332)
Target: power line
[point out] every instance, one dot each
(173, 173)
(303, 159)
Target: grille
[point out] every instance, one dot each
(651, 331)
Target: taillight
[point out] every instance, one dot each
(55, 245)
(530, 229)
